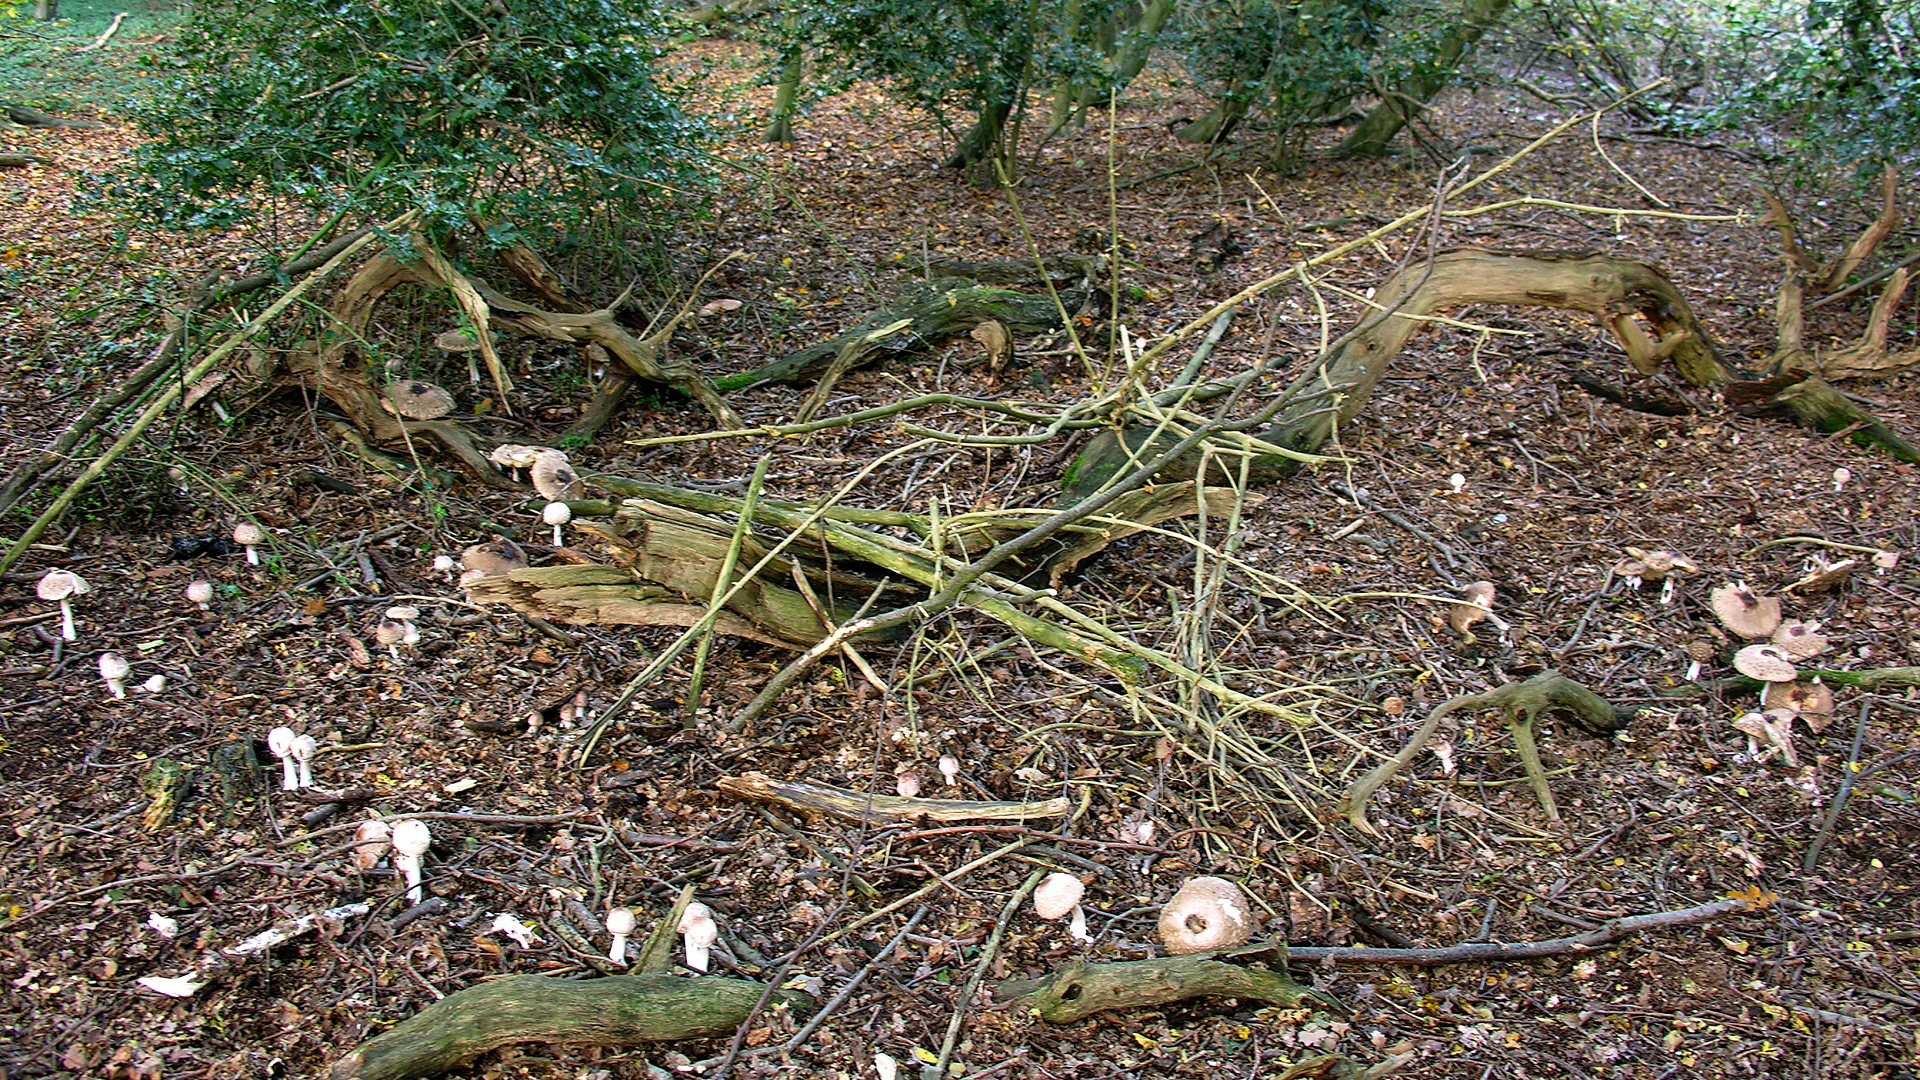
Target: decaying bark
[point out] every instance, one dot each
(1079, 989)
(1621, 292)
(621, 1010)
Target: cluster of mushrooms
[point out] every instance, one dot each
(1207, 914)
(1779, 646)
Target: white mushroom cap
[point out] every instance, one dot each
(114, 669)
(1058, 895)
(556, 513)
(1745, 612)
(63, 586)
(1208, 913)
(698, 931)
(418, 400)
(553, 477)
(1766, 662)
(370, 843)
(411, 837)
(950, 768)
(302, 751)
(247, 533)
(280, 743)
(200, 592)
(389, 632)
(60, 584)
(403, 613)
(907, 784)
(620, 921)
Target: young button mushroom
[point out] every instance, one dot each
(391, 634)
(1665, 566)
(907, 784)
(619, 924)
(557, 514)
(250, 536)
(200, 593)
(302, 751)
(1744, 611)
(410, 842)
(950, 768)
(370, 843)
(1699, 654)
(443, 566)
(1060, 895)
(459, 341)
(63, 586)
(699, 931)
(280, 742)
(1207, 914)
(114, 669)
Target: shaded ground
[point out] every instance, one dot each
(1554, 484)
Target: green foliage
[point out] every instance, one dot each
(1830, 86)
(518, 113)
(42, 64)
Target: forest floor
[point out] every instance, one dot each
(1329, 609)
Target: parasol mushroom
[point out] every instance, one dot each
(1768, 663)
(553, 477)
(63, 586)
(250, 536)
(1059, 895)
(418, 400)
(1800, 640)
(1744, 611)
(200, 593)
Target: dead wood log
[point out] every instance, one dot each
(860, 807)
(1079, 989)
(621, 1010)
(34, 118)
(1816, 404)
(1620, 292)
(932, 316)
(21, 161)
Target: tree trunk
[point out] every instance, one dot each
(787, 90)
(1370, 139)
(46, 10)
(984, 144)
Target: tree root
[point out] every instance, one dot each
(1523, 702)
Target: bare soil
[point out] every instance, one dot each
(1680, 809)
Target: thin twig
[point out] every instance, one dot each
(987, 957)
(1851, 770)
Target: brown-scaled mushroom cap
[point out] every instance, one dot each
(516, 456)
(1478, 600)
(1658, 564)
(59, 585)
(554, 478)
(1768, 663)
(495, 558)
(1800, 640)
(1745, 612)
(1813, 697)
(418, 400)
(1208, 913)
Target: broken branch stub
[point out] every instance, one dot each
(1078, 989)
(1335, 390)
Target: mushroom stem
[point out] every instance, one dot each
(1077, 926)
(67, 631)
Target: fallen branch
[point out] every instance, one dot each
(1523, 702)
(107, 34)
(1079, 989)
(1487, 951)
(859, 807)
(216, 962)
(620, 1010)
(21, 161)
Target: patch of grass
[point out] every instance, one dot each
(41, 64)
